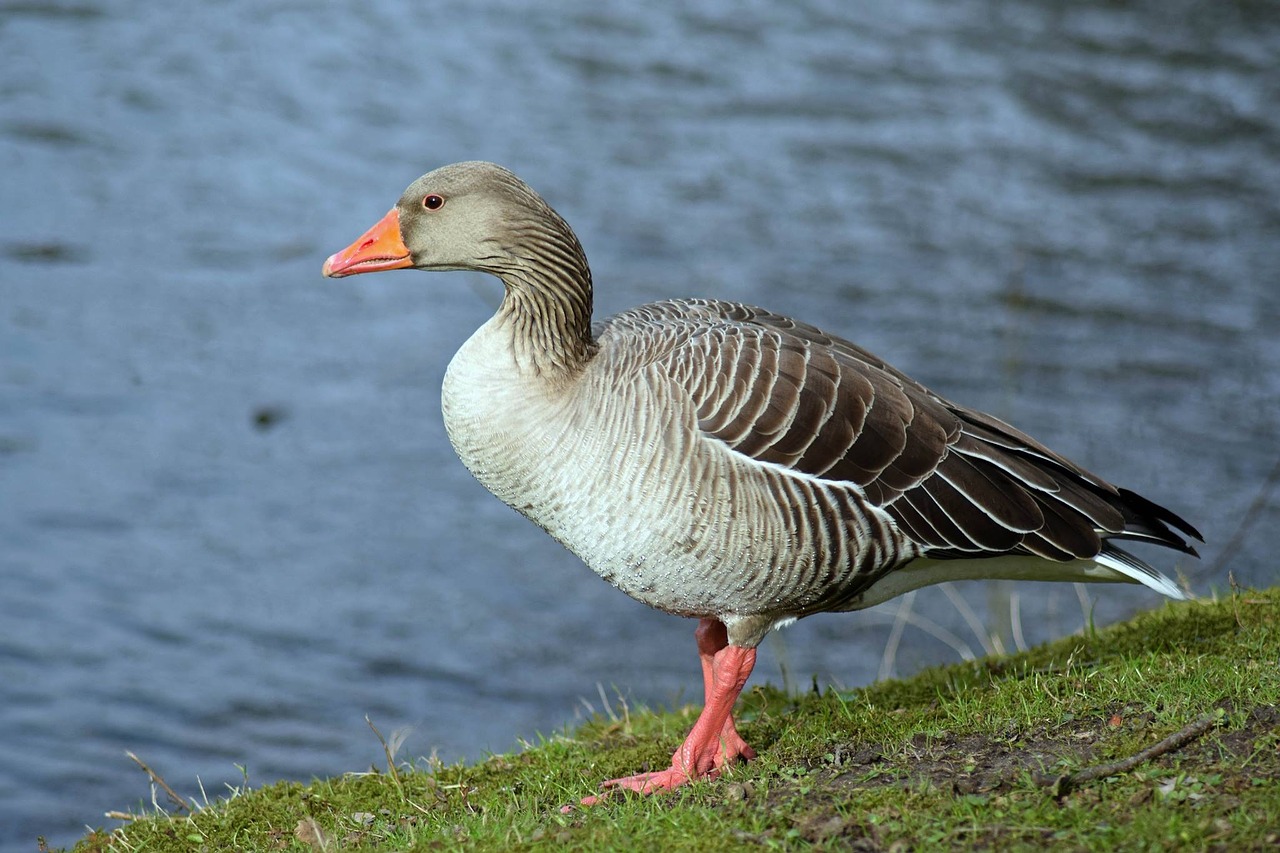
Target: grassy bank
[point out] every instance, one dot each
(995, 753)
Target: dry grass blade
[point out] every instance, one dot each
(391, 756)
(904, 616)
(991, 643)
(895, 635)
(1250, 517)
(164, 786)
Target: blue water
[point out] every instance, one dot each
(230, 523)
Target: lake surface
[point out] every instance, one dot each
(231, 525)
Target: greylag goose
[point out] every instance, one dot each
(722, 462)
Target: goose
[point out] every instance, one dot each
(726, 463)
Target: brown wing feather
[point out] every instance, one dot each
(958, 482)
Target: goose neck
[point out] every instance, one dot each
(548, 312)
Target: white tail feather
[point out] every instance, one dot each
(1133, 568)
(1111, 566)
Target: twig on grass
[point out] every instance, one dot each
(1062, 785)
(164, 786)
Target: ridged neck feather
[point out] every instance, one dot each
(548, 296)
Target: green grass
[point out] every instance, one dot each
(957, 757)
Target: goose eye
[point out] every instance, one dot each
(433, 202)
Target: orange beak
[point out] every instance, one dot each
(379, 248)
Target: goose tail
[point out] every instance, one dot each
(1133, 569)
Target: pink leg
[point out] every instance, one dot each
(712, 637)
(714, 741)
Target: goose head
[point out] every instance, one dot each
(466, 216)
